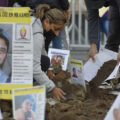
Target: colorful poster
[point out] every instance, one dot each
(76, 71)
(29, 103)
(16, 50)
(59, 56)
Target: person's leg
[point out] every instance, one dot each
(99, 30)
(57, 42)
(45, 63)
(114, 29)
(105, 27)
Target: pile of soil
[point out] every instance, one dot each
(79, 105)
(102, 74)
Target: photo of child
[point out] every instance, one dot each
(57, 59)
(25, 107)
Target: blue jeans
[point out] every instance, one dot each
(103, 25)
(57, 42)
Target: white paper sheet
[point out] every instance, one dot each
(91, 68)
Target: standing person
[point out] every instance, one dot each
(52, 20)
(103, 24)
(4, 44)
(113, 41)
(93, 21)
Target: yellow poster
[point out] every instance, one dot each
(15, 15)
(16, 50)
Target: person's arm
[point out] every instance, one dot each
(38, 74)
(93, 25)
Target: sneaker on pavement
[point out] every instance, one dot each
(106, 85)
(115, 91)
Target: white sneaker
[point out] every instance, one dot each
(115, 91)
(106, 85)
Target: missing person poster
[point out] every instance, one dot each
(29, 103)
(16, 50)
(76, 71)
(59, 56)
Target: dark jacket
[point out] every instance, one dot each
(60, 4)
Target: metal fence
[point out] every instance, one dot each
(78, 28)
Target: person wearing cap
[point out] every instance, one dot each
(4, 44)
(93, 21)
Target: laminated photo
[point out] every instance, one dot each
(76, 71)
(59, 56)
(16, 50)
(29, 103)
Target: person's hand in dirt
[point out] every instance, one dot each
(118, 58)
(58, 94)
(93, 51)
(50, 74)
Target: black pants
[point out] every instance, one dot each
(113, 41)
(45, 63)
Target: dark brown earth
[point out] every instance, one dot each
(80, 104)
(102, 74)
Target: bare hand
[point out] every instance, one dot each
(118, 58)
(50, 74)
(93, 51)
(58, 94)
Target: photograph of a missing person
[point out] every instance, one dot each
(59, 56)
(57, 59)
(29, 103)
(5, 55)
(25, 107)
(76, 71)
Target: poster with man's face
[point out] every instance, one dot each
(16, 50)
(6, 35)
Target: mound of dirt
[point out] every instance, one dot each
(79, 105)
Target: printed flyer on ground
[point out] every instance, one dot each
(29, 103)
(77, 72)
(16, 50)
(114, 112)
(59, 56)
